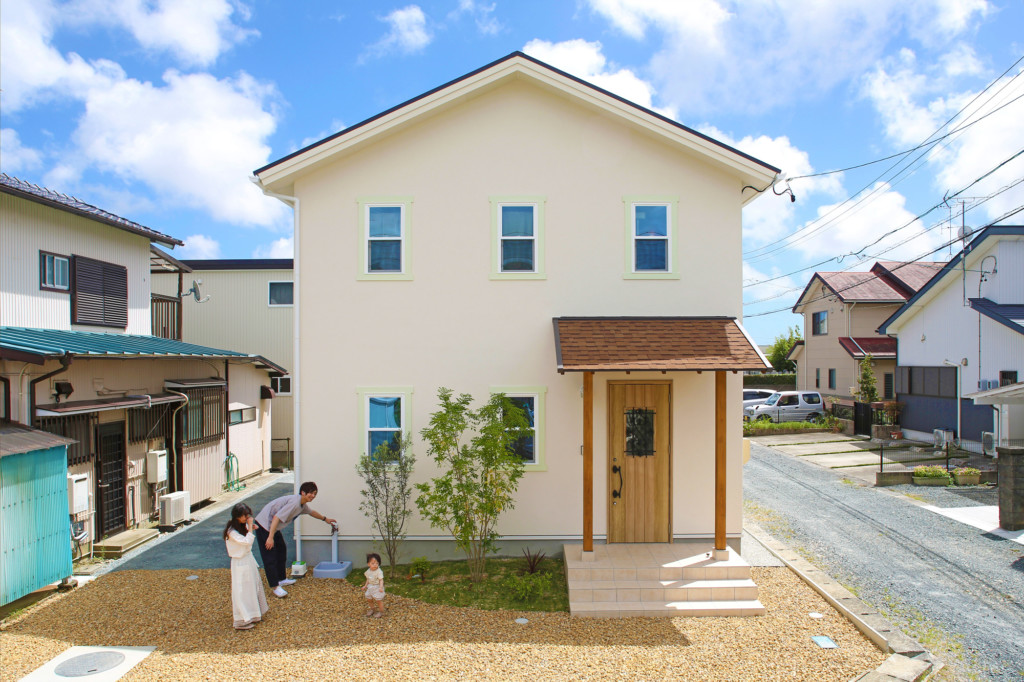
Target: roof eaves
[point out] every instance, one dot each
(991, 310)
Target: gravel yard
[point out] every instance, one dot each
(320, 632)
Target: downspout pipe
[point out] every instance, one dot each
(295, 370)
(958, 394)
(65, 362)
(7, 397)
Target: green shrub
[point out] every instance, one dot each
(930, 471)
(967, 471)
(769, 379)
(419, 566)
(527, 588)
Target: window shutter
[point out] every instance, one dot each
(101, 293)
(115, 295)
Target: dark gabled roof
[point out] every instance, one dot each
(536, 61)
(241, 264)
(48, 197)
(37, 345)
(1011, 315)
(979, 237)
(881, 347)
(907, 278)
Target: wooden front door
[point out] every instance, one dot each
(110, 479)
(639, 462)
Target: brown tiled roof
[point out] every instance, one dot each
(606, 344)
(880, 347)
(911, 275)
(860, 286)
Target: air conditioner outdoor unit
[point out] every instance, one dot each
(988, 443)
(942, 436)
(156, 466)
(78, 493)
(174, 508)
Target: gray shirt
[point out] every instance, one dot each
(285, 508)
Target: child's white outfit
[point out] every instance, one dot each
(374, 584)
(248, 601)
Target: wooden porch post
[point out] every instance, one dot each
(720, 436)
(588, 461)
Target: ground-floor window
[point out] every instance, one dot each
(530, 399)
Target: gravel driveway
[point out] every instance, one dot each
(953, 587)
(319, 632)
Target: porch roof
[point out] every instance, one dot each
(615, 344)
(878, 347)
(104, 404)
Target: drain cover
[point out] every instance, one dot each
(84, 665)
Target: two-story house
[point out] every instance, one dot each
(841, 312)
(519, 230)
(247, 307)
(962, 334)
(149, 415)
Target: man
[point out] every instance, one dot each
(277, 513)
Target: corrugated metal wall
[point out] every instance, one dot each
(204, 471)
(29, 228)
(35, 529)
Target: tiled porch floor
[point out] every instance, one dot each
(624, 580)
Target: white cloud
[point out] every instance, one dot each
(195, 31)
(585, 60)
(907, 98)
(199, 155)
(198, 246)
(279, 248)
(728, 55)
(335, 126)
(482, 14)
(408, 34)
(16, 157)
(767, 290)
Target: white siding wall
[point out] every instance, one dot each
(29, 227)
(250, 442)
(1007, 285)
(452, 325)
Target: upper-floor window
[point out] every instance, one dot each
(1007, 377)
(651, 251)
(281, 385)
(819, 323)
(280, 293)
(100, 294)
(54, 272)
(651, 237)
(385, 245)
(518, 238)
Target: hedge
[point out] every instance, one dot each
(769, 379)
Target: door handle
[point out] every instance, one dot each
(616, 469)
(102, 485)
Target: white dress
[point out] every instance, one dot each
(248, 601)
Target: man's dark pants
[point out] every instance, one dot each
(274, 560)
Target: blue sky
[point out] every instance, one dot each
(159, 110)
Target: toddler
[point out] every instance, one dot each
(374, 587)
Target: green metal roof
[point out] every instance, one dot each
(36, 345)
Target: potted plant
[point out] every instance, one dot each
(298, 569)
(930, 475)
(967, 476)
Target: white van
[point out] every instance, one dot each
(788, 406)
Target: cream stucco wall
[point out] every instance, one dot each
(450, 324)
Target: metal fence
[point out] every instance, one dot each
(906, 456)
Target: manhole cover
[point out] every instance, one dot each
(84, 665)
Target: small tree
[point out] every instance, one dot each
(780, 348)
(868, 391)
(478, 478)
(386, 495)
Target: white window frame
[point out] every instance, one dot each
(48, 263)
(538, 393)
(535, 202)
(404, 393)
(280, 305)
(402, 203)
(671, 237)
(277, 380)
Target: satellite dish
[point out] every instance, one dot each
(195, 291)
(964, 232)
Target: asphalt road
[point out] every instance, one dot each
(945, 583)
(201, 545)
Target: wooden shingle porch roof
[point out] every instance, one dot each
(613, 344)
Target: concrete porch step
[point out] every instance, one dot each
(636, 609)
(115, 546)
(662, 590)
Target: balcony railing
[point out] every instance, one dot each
(166, 312)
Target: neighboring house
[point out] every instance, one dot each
(77, 359)
(841, 313)
(963, 333)
(247, 307)
(519, 230)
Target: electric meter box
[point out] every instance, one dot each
(156, 466)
